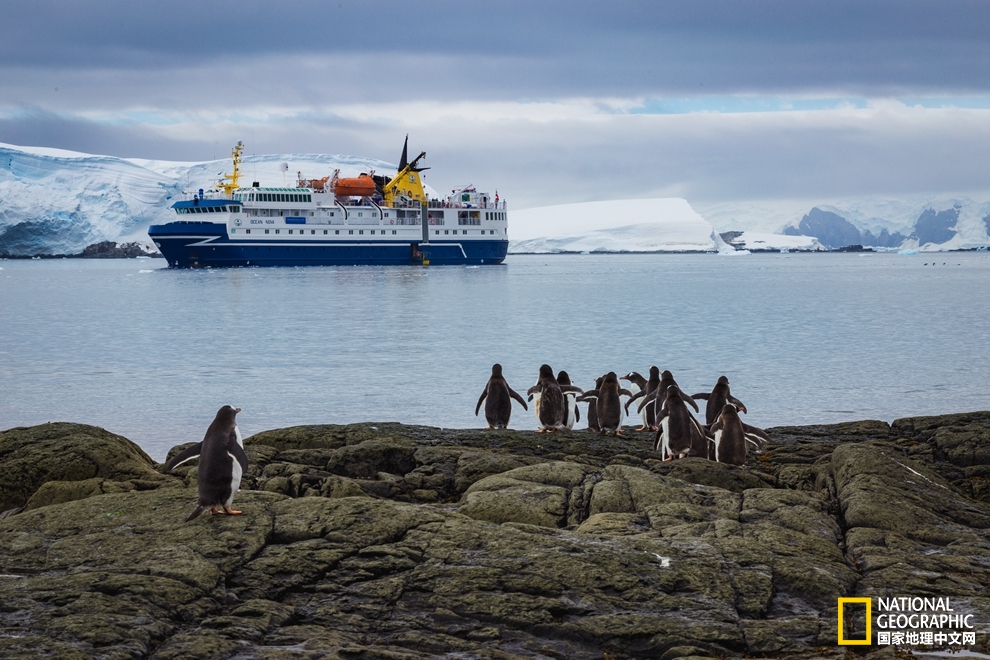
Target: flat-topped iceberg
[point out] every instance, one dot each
(629, 225)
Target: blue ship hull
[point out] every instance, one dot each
(207, 245)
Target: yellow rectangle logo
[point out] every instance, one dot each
(868, 602)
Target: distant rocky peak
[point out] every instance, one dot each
(936, 226)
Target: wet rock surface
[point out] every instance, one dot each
(393, 541)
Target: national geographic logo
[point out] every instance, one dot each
(904, 621)
(851, 617)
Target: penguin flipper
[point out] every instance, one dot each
(649, 398)
(515, 395)
(625, 392)
(195, 514)
(588, 396)
(688, 400)
(187, 455)
(701, 395)
(533, 390)
(736, 402)
(480, 400)
(635, 396)
(577, 414)
(239, 454)
(755, 435)
(571, 388)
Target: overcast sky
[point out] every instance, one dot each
(548, 102)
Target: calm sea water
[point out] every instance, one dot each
(152, 353)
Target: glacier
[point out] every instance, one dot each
(54, 201)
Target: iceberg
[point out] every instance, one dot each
(631, 225)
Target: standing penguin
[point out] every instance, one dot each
(731, 435)
(717, 398)
(649, 412)
(680, 434)
(660, 393)
(549, 400)
(498, 407)
(222, 462)
(608, 405)
(637, 385)
(593, 409)
(571, 413)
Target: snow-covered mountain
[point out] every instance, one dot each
(58, 202)
(920, 222)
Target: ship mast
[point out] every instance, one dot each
(234, 177)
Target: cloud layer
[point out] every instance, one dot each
(550, 103)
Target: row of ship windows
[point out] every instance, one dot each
(361, 231)
(208, 209)
(274, 197)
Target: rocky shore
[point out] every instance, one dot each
(386, 541)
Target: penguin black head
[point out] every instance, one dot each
(666, 374)
(729, 409)
(546, 371)
(673, 392)
(563, 378)
(226, 414)
(722, 380)
(496, 369)
(629, 376)
(654, 372)
(610, 377)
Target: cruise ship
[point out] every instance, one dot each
(332, 221)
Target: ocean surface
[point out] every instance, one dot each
(152, 353)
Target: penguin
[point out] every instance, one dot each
(593, 409)
(608, 405)
(649, 412)
(571, 413)
(659, 394)
(636, 385)
(731, 435)
(498, 407)
(680, 434)
(717, 399)
(222, 462)
(549, 401)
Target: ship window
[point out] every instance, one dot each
(350, 231)
(248, 231)
(277, 230)
(290, 231)
(233, 231)
(393, 232)
(266, 231)
(438, 232)
(464, 231)
(336, 231)
(360, 231)
(374, 214)
(446, 231)
(324, 231)
(360, 214)
(331, 214)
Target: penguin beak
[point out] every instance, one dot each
(237, 410)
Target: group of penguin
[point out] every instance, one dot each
(664, 410)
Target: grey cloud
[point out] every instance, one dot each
(539, 48)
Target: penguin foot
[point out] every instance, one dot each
(230, 511)
(643, 428)
(215, 511)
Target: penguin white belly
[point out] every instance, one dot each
(718, 444)
(235, 477)
(237, 433)
(537, 397)
(570, 416)
(665, 445)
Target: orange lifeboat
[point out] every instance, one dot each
(358, 186)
